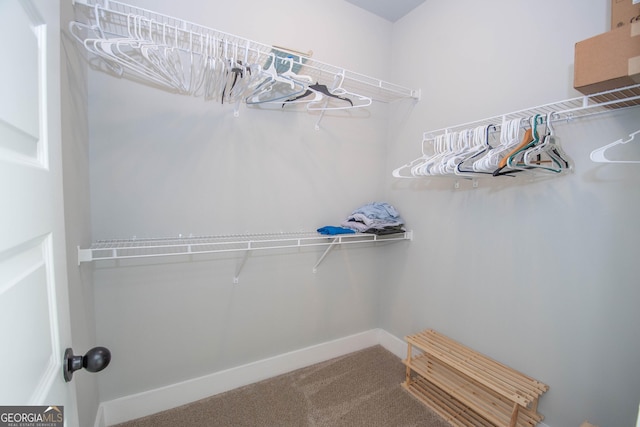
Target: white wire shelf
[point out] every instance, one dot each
(560, 112)
(115, 17)
(181, 246)
(567, 110)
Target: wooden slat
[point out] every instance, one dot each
(457, 353)
(467, 388)
(520, 378)
(452, 410)
(502, 379)
(487, 403)
(490, 404)
(508, 382)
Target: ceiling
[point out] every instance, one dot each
(391, 10)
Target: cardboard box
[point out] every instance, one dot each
(624, 12)
(608, 61)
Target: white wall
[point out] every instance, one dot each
(542, 276)
(164, 164)
(75, 146)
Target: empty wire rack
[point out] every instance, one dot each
(175, 246)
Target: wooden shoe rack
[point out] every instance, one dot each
(467, 388)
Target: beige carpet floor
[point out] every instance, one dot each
(359, 389)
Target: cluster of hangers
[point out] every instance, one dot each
(525, 146)
(211, 66)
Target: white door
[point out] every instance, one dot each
(34, 311)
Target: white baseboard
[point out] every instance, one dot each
(100, 421)
(150, 402)
(392, 343)
(153, 401)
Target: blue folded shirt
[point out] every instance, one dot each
(332, 230)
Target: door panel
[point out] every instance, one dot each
(20, 117)
(34, 311)
(24, 281)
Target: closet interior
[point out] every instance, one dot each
(470, 275)
(190, 59)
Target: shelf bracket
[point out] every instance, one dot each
(236, 278)
(84, 255)
(317, 127)
(335, 242)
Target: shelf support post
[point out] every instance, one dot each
(514, 415)
(236, 278)
(326, 252)
(317, 127)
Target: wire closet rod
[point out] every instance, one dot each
(158, 247)
(464, 151)
(567, 110)
(247, 243)
(115, 16)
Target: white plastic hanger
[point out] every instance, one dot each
(301, 97)
(124, 52)
(275, 87)
(400, 172)
(557, 160)
(412, 165)
(441, 149)
(348, 100)
(509, 137)
(480, 145)
(598, 155)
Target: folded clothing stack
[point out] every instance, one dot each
(375, 218)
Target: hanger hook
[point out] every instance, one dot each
(549, 120)
(487, 131)
(534, 125)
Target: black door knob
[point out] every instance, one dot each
(95, 360)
